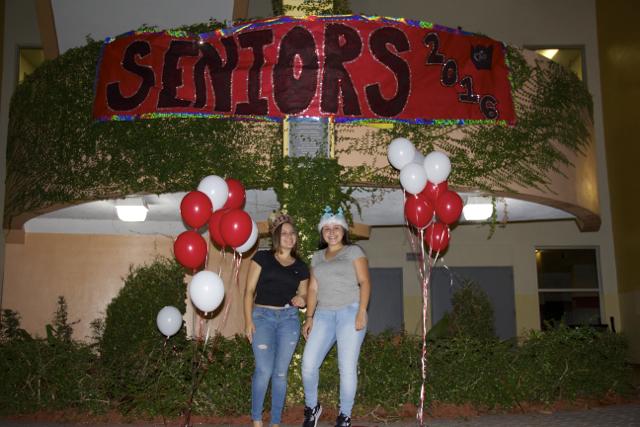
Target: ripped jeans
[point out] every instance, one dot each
(274, 342)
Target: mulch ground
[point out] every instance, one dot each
(293, 415)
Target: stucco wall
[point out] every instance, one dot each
(511, 246)
(20, 29)
(619, 61)
(88, 270)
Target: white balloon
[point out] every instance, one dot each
(418, 158)
(206, 290)
(169, 320)
(438, 166)
(400, 152)
(217, 190)
(413, 178)
(251, 241)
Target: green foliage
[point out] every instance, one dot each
(80, 160)
(86, 160)
(139, 367)
(568, 363)
(553, 109)
(225, 388)
(560, 363)
(313, 7)
(389, 371)
(61, 329)
(472, 313)
(306, 185)
(52, 374)
(10, 327)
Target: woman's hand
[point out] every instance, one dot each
(306, 328)
(298, 301)
(361, 320)
(249, 330)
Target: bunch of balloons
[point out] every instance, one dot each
(429, 204)
(217, 203)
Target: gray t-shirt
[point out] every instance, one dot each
(337, 280)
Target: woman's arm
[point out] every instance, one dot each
(312, 301)
(249, 295)
(362, 274)
(300, 299)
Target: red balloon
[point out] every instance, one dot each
(432, 191)
(449, 207)
(214, 227)
(418, 211)
(437, 236)
(195, 209)
(237, 195)
(190, 249)
(235, 227)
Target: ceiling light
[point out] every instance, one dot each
(548, 53)
(131, 210)
(477, 208)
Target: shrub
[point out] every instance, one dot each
(53, 373)
(143, 372)
(10, 327)
(472, 313)
(140, 373)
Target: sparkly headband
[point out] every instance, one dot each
(276, 219)
(329, 218)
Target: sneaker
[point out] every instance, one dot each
(312, 415)
(343, 420)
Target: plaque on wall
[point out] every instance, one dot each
(307, 136)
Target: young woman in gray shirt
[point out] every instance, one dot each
(337, 299)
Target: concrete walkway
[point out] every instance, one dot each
(627, 415)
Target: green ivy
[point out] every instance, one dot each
(553, 109)
(304, 186)
(58, 155)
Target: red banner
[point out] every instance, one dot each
(345, 67)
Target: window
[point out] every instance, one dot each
(29, 58)
(569, 57)
(568, 286)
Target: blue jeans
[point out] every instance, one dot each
(328, 327)
(274, 341)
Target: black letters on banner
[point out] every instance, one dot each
(220, 75)
(378, 44)
(435, 57)
(342, 44)
(115, 100)
(172, 75)
(469, 96)
(255, 40)
(293, 95)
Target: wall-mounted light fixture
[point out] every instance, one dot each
(477, 208)
(548, 53)
(132, 209)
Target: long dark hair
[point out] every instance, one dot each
(275, 240)
(322, 244)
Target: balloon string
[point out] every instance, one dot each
(237, 261)
(425, 314)
(229, 299)
(427, 264)
(206, 339)
(237, 258)
(201, 321)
